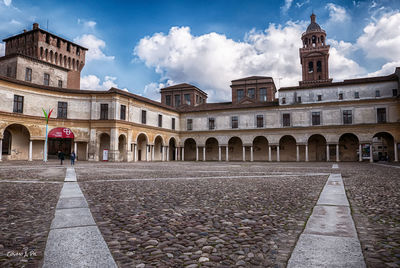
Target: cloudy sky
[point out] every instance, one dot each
(144, 45)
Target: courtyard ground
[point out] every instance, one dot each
(218, 214)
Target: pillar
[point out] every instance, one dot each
(167, 153)
(147, 152)
(297, 153)
(306, 152)
(227, 153)
(219, 153)
(87, 151)
(396, 157)
(244, 153)
(1, 149)
(152, 152)
(162, 153)
(337, 153)
(30, 151)
(76, 151)
(371, 158)
(360, 152)
(204, 153)
(277, 154)
(269, 153)
(135, 148)
(183, 153)
(251, 154)
(176, 153)
(327, 153)
(197, 153)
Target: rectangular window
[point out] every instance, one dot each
(283, 100)
(381, 115)
(211, 123)
(316, 118)
(240, 94)
(60, 83)
(299, 99)
(168, 100)
(104, 111)
(62, 109)
(394, 92)
(18, 104)
(356, 95)
(46, 79)
(263, 94)
(260, 120)
(187, 99)
(377, 93)
(197, 99)
(28, 74)
(122, 115)
(177, 100)
(319, 97)
(144, 117)
(189, 124)
(235, 122)
(173, 123)
(340, 96)
(286, 120)
(160, 120)
(347, 117)
(251, 93)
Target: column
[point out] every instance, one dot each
(147, 152)
(1, 148)
(306, 152)
(136, 152)
(277, 154)
(183, 153)
(269, 153)
(327, 153)
(167, 153)
(396, 157)
(226, 153)
(176, 153)
(197, 153)
(297, 153)
(204, 153)
(30, 151)
(76, 151)
(219, 153)
(360, 152)
(152, 152)
(251, 154)
(371, 158)
(244, 153)
(162, 153)
(337, 153)
(87, 151)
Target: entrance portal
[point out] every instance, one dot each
(60, 139)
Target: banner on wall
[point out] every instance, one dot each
(105, 155)
(365, 151)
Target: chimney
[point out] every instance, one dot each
(25, 31)
(35, 26)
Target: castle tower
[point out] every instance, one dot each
(314, 55)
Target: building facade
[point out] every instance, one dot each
(318, 120)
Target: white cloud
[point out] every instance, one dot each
(2, 49)
(152, 90)
(90, 24)
(95, 46)
(336, 13)
(92, 82)
(7, 2)
(300, 4)
(286, 6)
(386, 69)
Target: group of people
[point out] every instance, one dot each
(61, 156)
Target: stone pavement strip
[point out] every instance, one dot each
(74, 239)
(329, 238)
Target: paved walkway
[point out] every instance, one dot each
(74, 239)
(330, 237)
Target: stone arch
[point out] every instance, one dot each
(212, 149)
(122, 148)
(104, 144)
(383, 146)
(172, 149)
(260, 148)
(235, 147)
(158, 148)
(46, 53)
(287, 148)
(348, 147)
(18, 142)
(51, 56)
(316, 148)
(142, 147)
(189, 146)
(56, 58)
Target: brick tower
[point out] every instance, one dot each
(314, 55)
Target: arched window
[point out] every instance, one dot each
(61, 57)
(311, 67)
(46, 54)
(77, 65)
(319, 66)
(314, 39)
(73, 64)
(41, 52)
(51, 56)
(65, 61)
(69, 62)
(322, 39)
(56, 58)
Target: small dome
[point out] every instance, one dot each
(313, 27)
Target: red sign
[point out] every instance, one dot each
(61, 132)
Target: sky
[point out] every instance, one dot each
(142, 46)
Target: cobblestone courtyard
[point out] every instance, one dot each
(192, 214)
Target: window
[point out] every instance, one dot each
(62, 109)
(235, 121)
(58, 43)
(68, 47)
(46, 79)
(78, 51)
(319, 97)
(18, 104)
(283, 100)
(144, 117)
(286, 120)
(177, 100)
(311, 67)
(394, 92)
(173, 123)
(347, 117)
(299, 99)
(260, 120)
(319, 66)
(263, 94)
(381, 115)
(187, 99)
(103, 111)
(122, 115)
(28, 74)
(197, 99)
(251, 93)
(377, 93)
(47, 38)
(316, 118)
(211, 123)
(168, 100)
(240, 94)
(356, 95)
(60, 83)
(340, 96)
(189, 124)
(160, 120)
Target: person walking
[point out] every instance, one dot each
(61, 156)
(73, 156)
